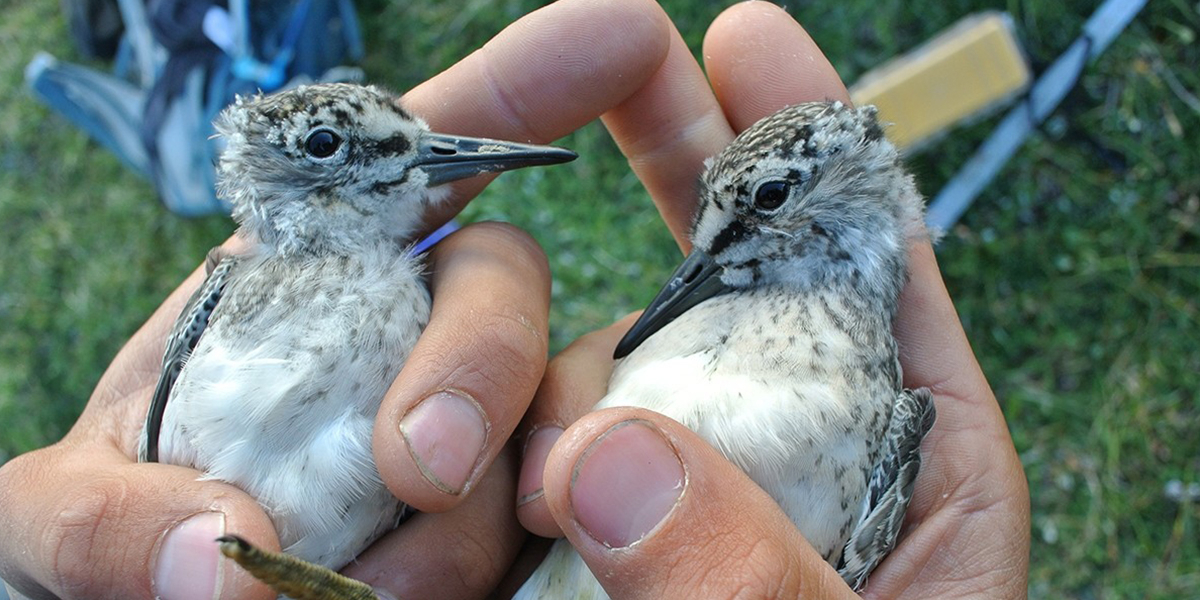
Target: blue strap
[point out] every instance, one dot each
(1043, 97)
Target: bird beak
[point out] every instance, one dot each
(446, 158)
(696, 280)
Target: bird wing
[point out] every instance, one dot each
(890, 488)
(183, 339)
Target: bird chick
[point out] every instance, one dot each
(276, 368)
(773, 340)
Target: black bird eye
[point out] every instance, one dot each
(322, 143)
(771, 195)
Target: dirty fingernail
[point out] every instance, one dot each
(445, 434)
(537, 450)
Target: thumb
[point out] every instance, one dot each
(85, 522)
(656, 512)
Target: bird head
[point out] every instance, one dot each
(811, 197)
(330, 167)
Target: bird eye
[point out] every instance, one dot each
(322, 143)
(771, 195)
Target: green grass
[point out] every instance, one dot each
(1076, 274)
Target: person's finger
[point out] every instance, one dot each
(656, 512)
(971, 478)
(544, 76)
(474, 370)
(937, 353)
(574, 382)
(462, 553)
(90, 524)
(760, 60)
(666, 130)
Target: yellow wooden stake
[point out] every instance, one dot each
(974, 65)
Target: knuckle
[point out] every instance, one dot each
(509, 108)
(522, 250)
(750, 568)
(73, 541)
(514, 349)
(504, 234)
(557, 379)
(475, 562)
(770, 572)
(516, 245)
(570, 387)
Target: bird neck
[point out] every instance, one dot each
(839, 296)
(309, 244)
(872, 278)
(317, 228)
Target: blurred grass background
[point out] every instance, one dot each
(1076, 274)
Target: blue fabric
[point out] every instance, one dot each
(161, 126)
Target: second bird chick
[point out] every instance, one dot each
(773, 340)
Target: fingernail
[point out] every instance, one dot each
(537, 450)
(626, 483)
(188, 565)
(445, 435)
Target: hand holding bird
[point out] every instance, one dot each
(969, 527)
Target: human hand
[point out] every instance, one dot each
(82, 519)
(967, 529)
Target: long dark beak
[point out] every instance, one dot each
(694, 281)
(445, 158)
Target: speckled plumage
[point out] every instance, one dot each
(276, 369)
(790, 368)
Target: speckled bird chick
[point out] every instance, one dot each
(773, 340)
(276, 368)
